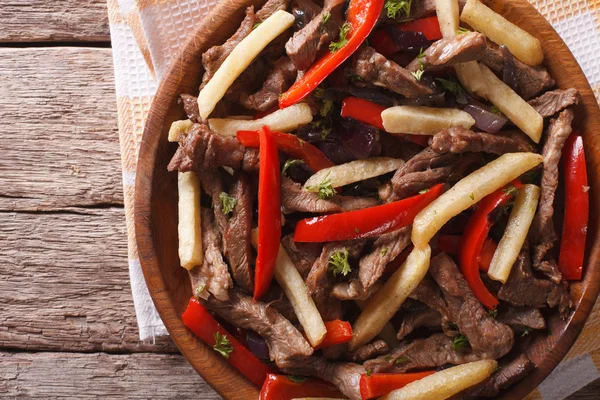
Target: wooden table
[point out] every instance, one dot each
(67, 323)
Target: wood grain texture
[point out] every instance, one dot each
(100, 376)
(155, 203)
(60, 146)
(590, 392)
(65, 283)
(56, 21)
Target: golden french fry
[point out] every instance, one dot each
(189, 227)
(239, 59)
(419, 120)
(388, 333)
(179, 127)
(515, 234)
(448, 16)
(471, 78)
(468, 191)
(382, 306)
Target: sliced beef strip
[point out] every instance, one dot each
(531, 81)
(251, 160)
(190, 106)
(369, 350)
(522, 289)
(507, 375)
(350, 203)
(375, 68)
(270, 7)
(286, 344)
(248, 82)
(352, 290)
(281, 77)
(275, 298)
(460, 140)
(431, 352)
(306, 43)
(213, 275)
(303, 255)
(425, 8)
(487, 336)
(543, 232)
(212, 183)
(237, 236)
(428, 293)
(555, 101)
(523, 318)
(450, 51)
(418, 316)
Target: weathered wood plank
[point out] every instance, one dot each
(60, 145)
(65, 283)
(57, 20)
(590, 392)
(100, 376)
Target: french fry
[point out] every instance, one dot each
(446, 383)
(295, 290)
(179, 127)
(493, 25)
(468, 191)
(239, 59)
(354, 171)
(385, 303)
(521, 113)
(471, 78)
(448, 16)
(284, 120)
(388, 333)
(515, 234)
(419, 120)
(189, 226)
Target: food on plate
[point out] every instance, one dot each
(368, 198)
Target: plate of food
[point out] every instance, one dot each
(371, 199)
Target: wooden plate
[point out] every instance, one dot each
(156, 198)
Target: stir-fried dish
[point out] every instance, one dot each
(368, 193)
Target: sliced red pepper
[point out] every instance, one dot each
(365, 223)
(283, 387)
(269, 213)
(382, 43)
(361, 17)
(376, 385)
(430, 27)
(291, 145)
(337, 332)
(577, 204)
(476, 232)
(486, 254)
(370, 113)
(451, 244)
(398, 261)
(203, 324)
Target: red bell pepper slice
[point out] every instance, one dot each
(486, 254)
(451, 244)
(476, 232)
(377, 385)
(337, 332)
(382, 43)
(430, 27)
(577, 205)
(269, 212)
(203, 324)
(291, 145)
(370, 113)
(283, 387)
(398, 261)
(362, 16)
(365, 223)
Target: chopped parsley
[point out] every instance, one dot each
(423, 191)
(402, 360)
(460, 342)
(549, 332)
(452, 326)
(256, 25)
(472, 196)
(526, 332)
(297, 379)
(222, 345)
(397, 8)
(199, 290)
(510, 190)
(344, 30)
(453, 87)
(338, 263)
(368, 372)
(324, 125)
(325, 188)
(495, 110)
(461, 30)
(326, 16)
(356, 230)
(418, 74)
(290, 163)
(383, 251)
(493, 313)
(227, 202)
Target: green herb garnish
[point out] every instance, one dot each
(383, 251)
(397, 8)
(526, 332)
(418, 74)
(472, 196)
(493, 313)
(297, 379)
(452, 86)
(342, 40)
(495, 110)
(461, 30)
(460, 342)
(290, 163)
(402, 360)
(227, 202)
(325, 17)
(510, 190)
(338, 263)
(223, 345)
(325, 188)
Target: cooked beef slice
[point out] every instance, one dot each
(369, 350)
(279, 79)
(249, 81)
(432, 352)
(304, 11)
(450, 51)
(214, 57)
(531, 81)
(270, 7)
(373, 67)
(237, 237)
(351, 203)
(385, 249)
(306, 43)
(418, 316)
(190, 106)
(428, 293)
(286, 343)
(425, 8)
(543, 232)
(487, 336)
(555, 101)
(303, 255)
(352, 290)
(460, 140)
(523, 318)
(523, 289)
(212, 275)
(251, 160)
(212, 183)
(508, 374)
